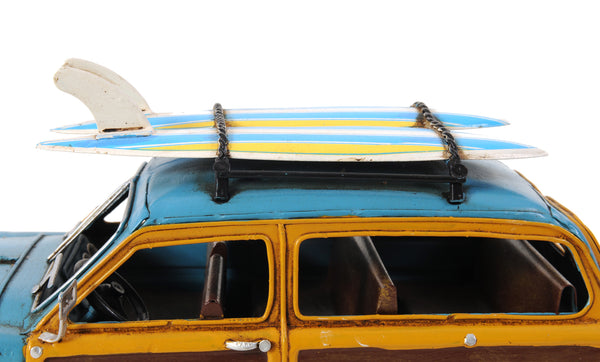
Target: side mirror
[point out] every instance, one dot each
(66, 301)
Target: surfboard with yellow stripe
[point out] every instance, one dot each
(337, 117)
(125, 125)
(298, 144)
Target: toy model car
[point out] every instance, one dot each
(231, 258)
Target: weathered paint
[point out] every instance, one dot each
(309, 333)
(587, 233)
(171, 191)
(180, 190)
(504, 353)
(283, 266)
(457, 227)
(414, 332)
(172, 204)
(24, 254)
(115, 104)
(14, 251)
(231, 356)
(175, 335)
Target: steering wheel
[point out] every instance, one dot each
(117, 300)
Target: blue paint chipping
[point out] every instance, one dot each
(180, 190)
(173, 191)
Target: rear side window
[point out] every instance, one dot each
(365, 275)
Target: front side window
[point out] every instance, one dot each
(404, 275)
(203, 281)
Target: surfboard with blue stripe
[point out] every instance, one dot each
(299, 144)
(341, 117)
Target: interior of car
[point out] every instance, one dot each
(366, 275)
(337, 276)
(226, 279)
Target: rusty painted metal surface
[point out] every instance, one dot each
(169, 336)
(169, 357)
(309, 333)
(533, 354)
(170, 207)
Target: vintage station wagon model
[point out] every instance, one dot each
(234, 258)
(294, 268)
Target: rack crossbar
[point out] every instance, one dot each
(457, 172)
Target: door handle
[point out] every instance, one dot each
(263, 345)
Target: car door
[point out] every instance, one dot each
(211, 292)
(443, 288)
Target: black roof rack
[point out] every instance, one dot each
(456, 172)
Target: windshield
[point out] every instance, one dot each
(81, 243)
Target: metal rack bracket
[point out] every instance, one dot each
(456, 176)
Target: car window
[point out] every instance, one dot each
(81, 243)
(388, 275)
(101, 223)
(210, 281)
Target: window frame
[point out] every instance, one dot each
(123, 194)
(449, 227)
(172, 235)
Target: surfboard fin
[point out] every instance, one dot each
(116, 105)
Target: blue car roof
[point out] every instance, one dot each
(180, 191)
(175, 191)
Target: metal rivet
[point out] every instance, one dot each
(264, 345)
(470, 340)
(36, 352)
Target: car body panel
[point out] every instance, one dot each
(15, 248)
(171, 202)
(179, 190)
(467, 227)
(168, 336)
(22, 270)
(309, 333)
(391, 336)
(494, 342)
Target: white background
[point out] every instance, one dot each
(533, 63)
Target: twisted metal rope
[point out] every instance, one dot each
(223, 149)
(221, 166)
(429, 120)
